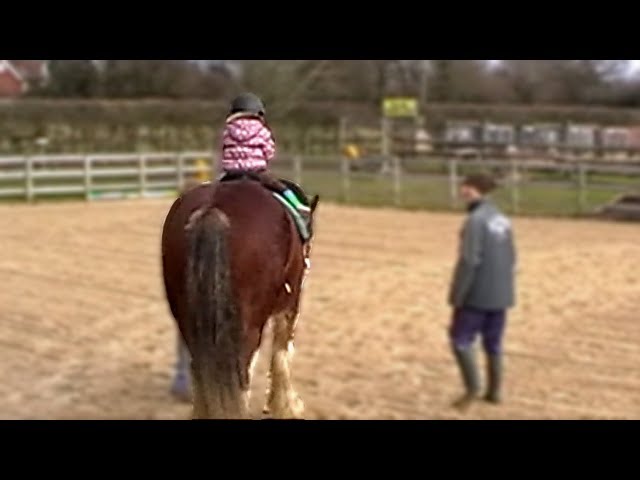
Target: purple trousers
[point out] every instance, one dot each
(468, 323)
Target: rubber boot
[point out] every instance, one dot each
(181, 388)
(467, 365)
(494, 376)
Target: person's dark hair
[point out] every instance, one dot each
(481, 182)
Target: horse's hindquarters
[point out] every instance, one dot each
(227, 270)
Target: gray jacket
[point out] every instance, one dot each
(484, 275)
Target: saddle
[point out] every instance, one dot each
(303, 225)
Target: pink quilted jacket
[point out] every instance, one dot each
(247, 144)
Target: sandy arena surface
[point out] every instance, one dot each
(85, 332)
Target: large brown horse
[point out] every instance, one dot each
(233, 259)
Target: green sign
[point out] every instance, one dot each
(398, 107)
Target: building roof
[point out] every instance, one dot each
(30, 69)
(7, 66)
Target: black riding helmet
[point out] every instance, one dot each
(247, 103)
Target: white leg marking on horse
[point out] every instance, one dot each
(251, 369)
(290, 351)
(282, 399)
(252, 364)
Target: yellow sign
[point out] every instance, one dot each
(397, 107)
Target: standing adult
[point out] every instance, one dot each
(482, 289)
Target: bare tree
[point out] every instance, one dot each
(562, 81)
(71, 78)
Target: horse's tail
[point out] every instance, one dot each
(214, 323)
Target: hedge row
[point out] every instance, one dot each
(83, 125)
(194, 112)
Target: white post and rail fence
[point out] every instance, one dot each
(98, 176)
(389, 180)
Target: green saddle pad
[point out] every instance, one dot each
(298, 219)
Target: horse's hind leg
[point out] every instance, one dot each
(250, 358)
(282, 399)
(181, 387)
(253, 358)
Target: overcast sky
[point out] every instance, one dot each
(634, 66)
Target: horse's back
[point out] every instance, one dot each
(250, 208)
(260, 237)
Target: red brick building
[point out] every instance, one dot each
(11, 82)
(16, 76)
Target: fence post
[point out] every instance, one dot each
(142, 174)
(453, 182)
(385, 146)
(346, 178)
(28, 177)
(397, 182)
(180, 173)
(582, 188)
(297, 169)
(342, 134)
(515, 186)
(306, 148)
(87, 178)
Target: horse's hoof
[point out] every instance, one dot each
(298, 414)
(295, 410)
